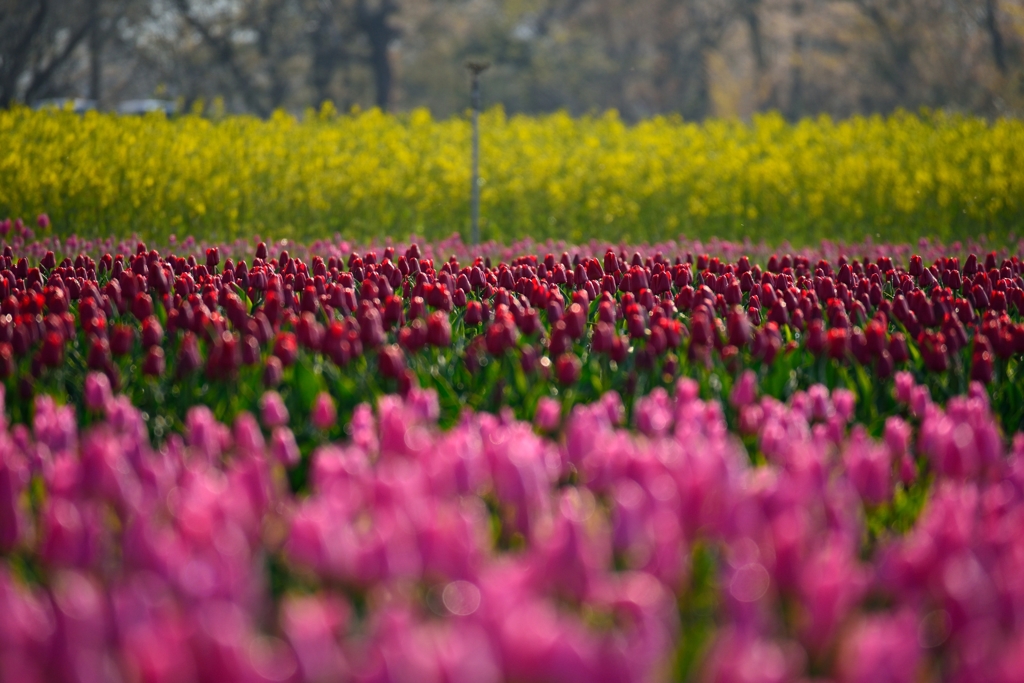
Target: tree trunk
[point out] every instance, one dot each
(753, 21)
(796, 66)
(992, 26)
(381, 72)
(765, 93)
(14, 62)
(95, 54)
(374, 24)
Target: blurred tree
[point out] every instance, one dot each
(373, 17)
(37, 37)
(695, 58)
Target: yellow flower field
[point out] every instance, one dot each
(371, 174)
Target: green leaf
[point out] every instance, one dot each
(307, 384)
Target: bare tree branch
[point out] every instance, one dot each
(14, 62)
(225, 53)
(40, 78)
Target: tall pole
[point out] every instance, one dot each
(475, 69)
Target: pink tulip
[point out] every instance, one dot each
(272, 410)
(324, 413)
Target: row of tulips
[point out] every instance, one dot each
(643, 551)
(174, 331)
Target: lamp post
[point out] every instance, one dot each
(475, 69)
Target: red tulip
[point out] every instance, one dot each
(286, 348)
(567, 368)
(153, 365)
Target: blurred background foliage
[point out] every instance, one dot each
(372, 174)
(695, 58)
(640, 120)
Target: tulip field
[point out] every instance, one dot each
(533, 462)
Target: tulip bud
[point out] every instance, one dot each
(981, 366)
(152, 332)
(272, 409)
(414, 337)
(97, 391)
(56, 300)
(324, 413)
(286, 348)
(273, 372)
(744, 392)
(778, 313)
(371, 329)
(575, 320)
(153, 365)
(189, 358)
(934, 351)
(885, 365)
(391, 361)
(635, 325)
(554, 311)
(52, 353)
(548, 414)
(439, 330)
(838, 343)
(567, 369)
(309, 332)
(738, 327)
(284, 448)
(529, 323)
(394, 315)
(142, 306)
(474, 313)
(250, 350)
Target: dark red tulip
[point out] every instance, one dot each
(391, 362)
(884, 365)
(997, 302)
(439, 330)
(700, 329)
(567, 369)
(286, 348)
(6, 360)
(474, 313)
(153, 365)
(816, 337)
(414, 336)
(837, 343)
(934, 351)
(308, 333)
(560, 341)
(142, 306)
(152, 332)
(56, 300)
(529, 322)
(500, 336)
(52, 353)
(981, 366)
(575, 318)
(636, 326)
(778, 313)
(898, 348)
(250, 350)
(875, 337)
(122, 338)
(417, 308)
(273, 372)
